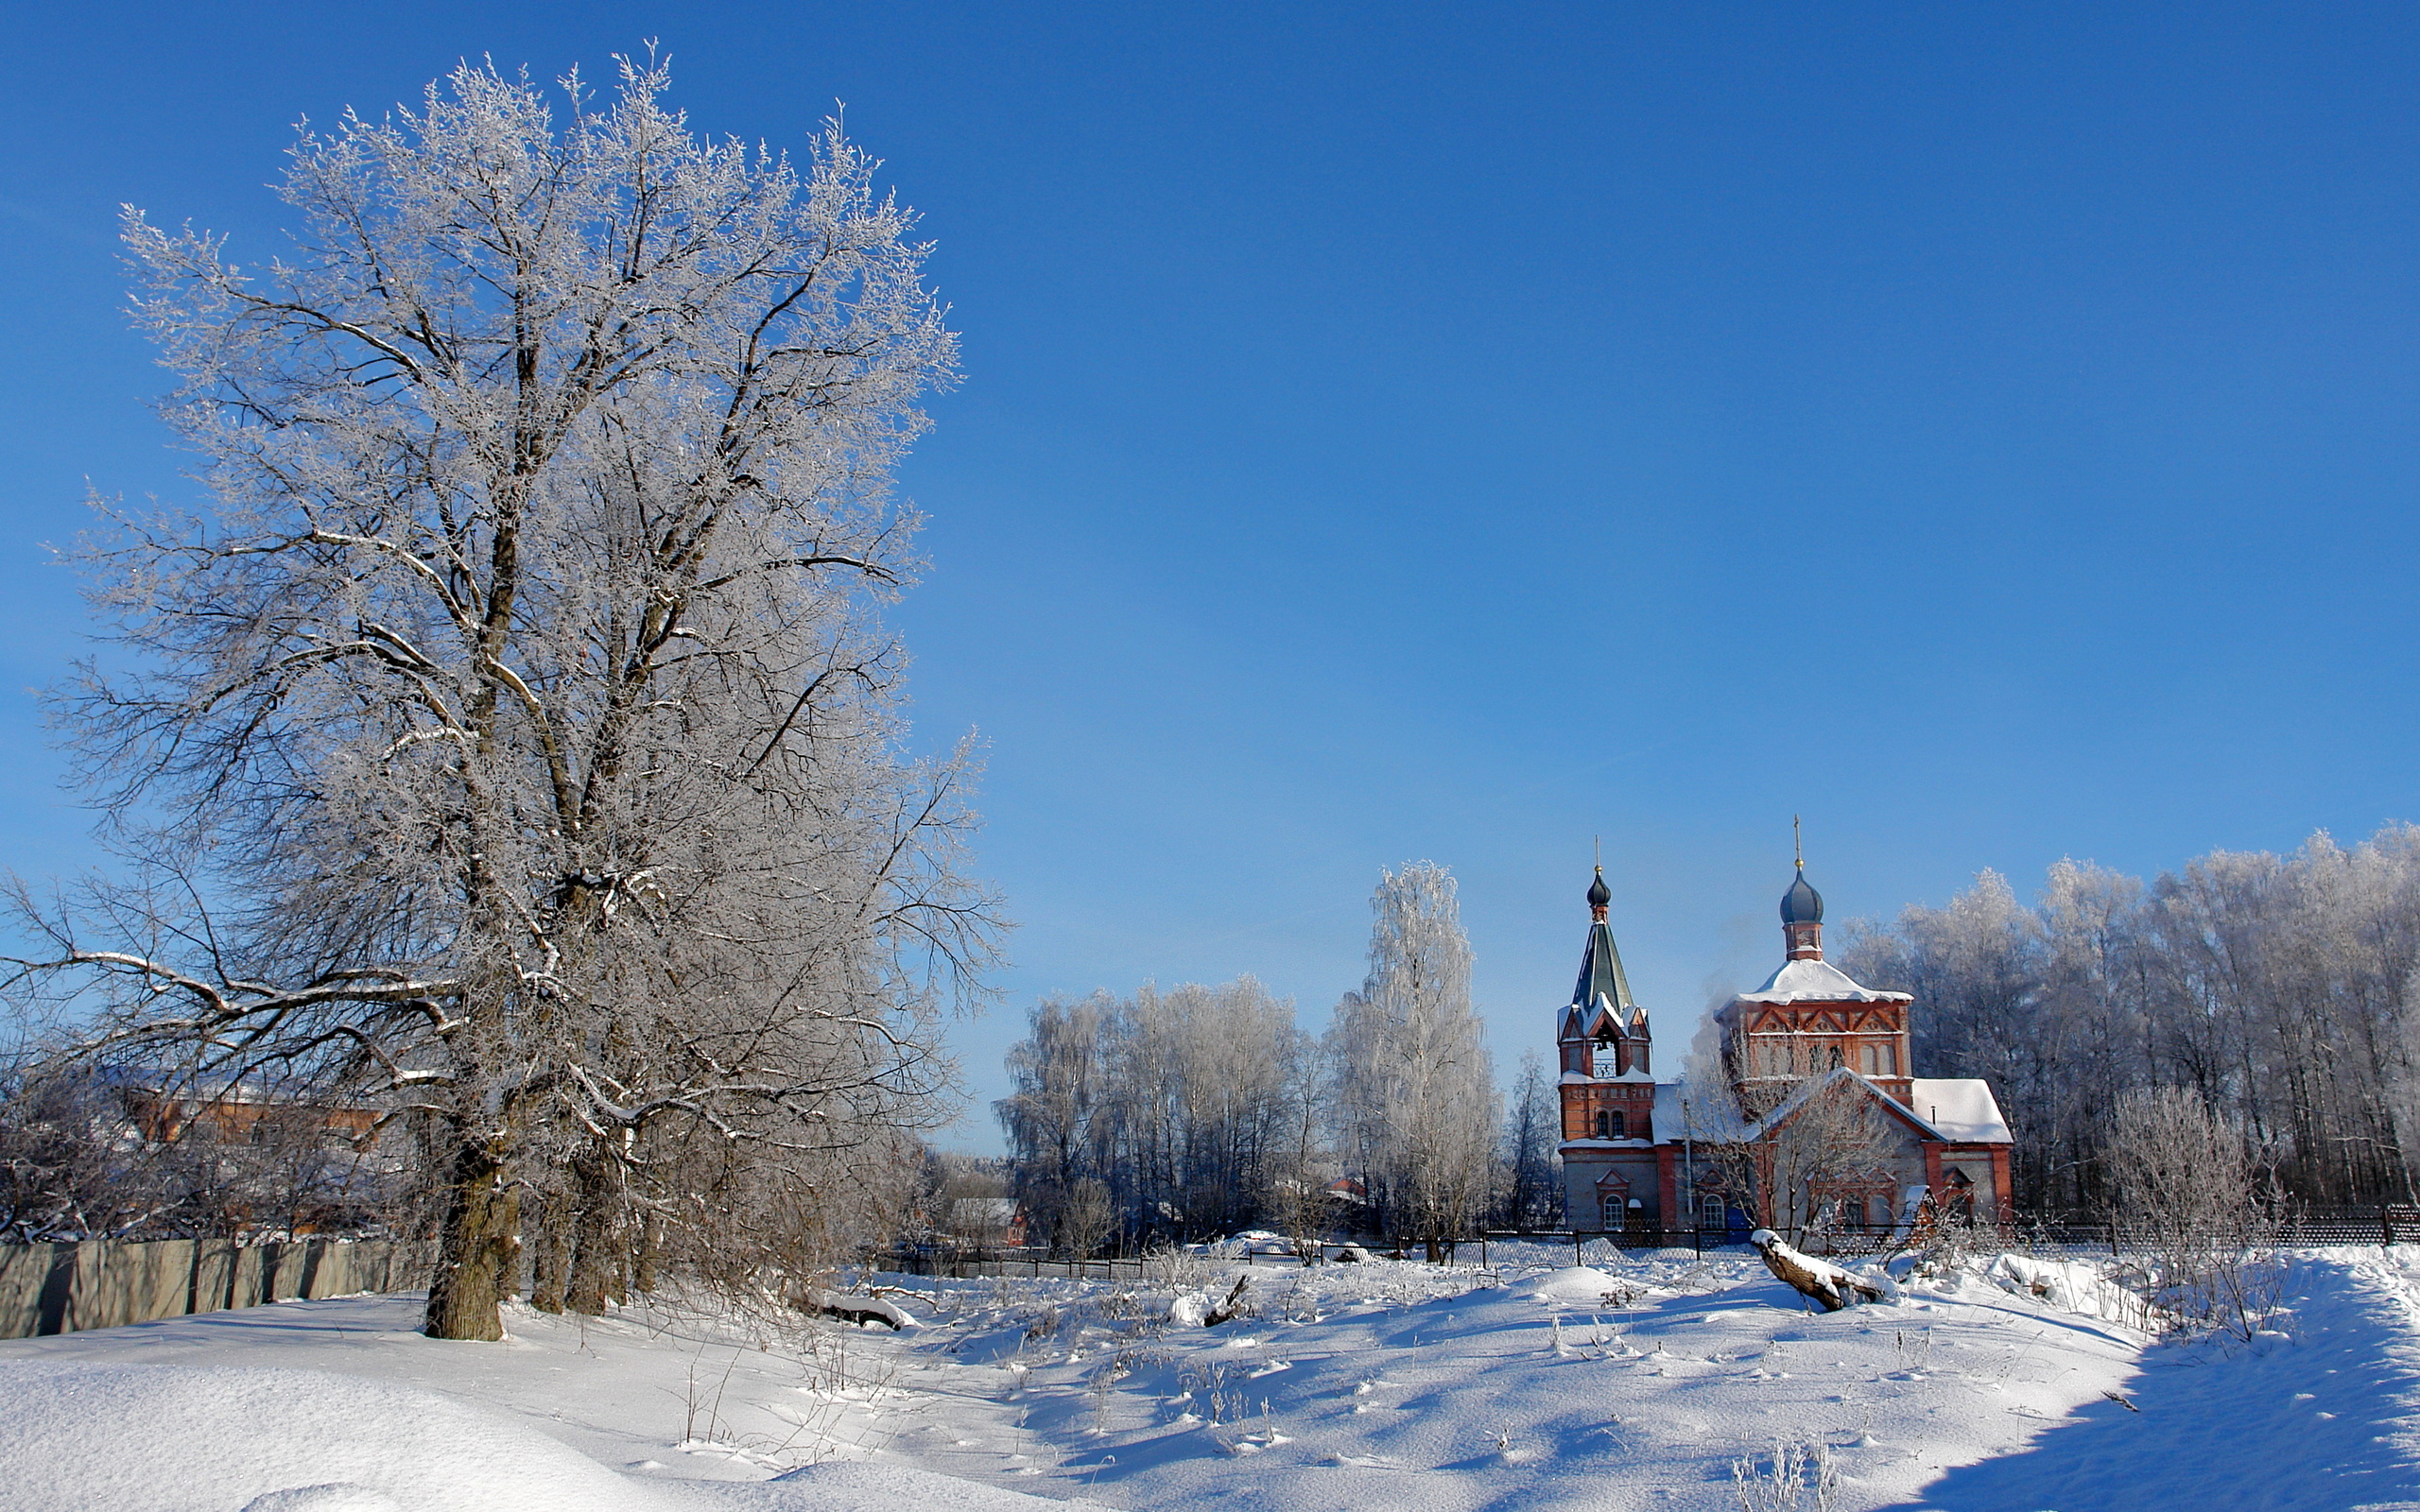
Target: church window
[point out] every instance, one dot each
(1710, 1212)
(1617, 1129)
(1831, 1057)
(1880, 1061)
(1604, 1126)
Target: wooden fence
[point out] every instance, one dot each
(65, 1288)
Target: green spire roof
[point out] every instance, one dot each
(1600, 974)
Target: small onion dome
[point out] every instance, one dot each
(1802, 905)
(1598, 894)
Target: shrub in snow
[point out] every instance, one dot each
(1800, 1477)
(2069, 1286)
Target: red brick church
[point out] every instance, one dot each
(1636, 1150)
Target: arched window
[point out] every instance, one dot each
(1604, 1126)
(1617, 1133)
(1831, 1057)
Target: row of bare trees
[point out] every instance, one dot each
(2281, 992)
(513, 744)
(1175, 1113)
(1205, 1109)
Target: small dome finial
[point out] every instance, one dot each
(1598, 894)
(1802, 905)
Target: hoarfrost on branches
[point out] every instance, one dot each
(1415, 1092)
(529, 734)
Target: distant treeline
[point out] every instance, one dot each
(1200, 1110)
(2281, 989)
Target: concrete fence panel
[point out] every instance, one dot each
(67, 1288)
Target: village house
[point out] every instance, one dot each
(1639, 1154)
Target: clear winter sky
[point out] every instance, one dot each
(1408, 431)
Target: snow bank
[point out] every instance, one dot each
(859, 1309)
(2067, 1285)
(1581, 1286)
(859, 1487)
(843, 1486)
(215, 1439)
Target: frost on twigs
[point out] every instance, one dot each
(1796, 1477)
(522, 694)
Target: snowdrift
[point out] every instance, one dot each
(1581, 1286)
(215, 1439)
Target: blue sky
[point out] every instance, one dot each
(1405, 431)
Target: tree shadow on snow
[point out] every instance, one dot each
(2324, 1424)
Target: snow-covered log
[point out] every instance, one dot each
(857, 1310)
(1819, 1278)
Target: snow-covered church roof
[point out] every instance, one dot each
(1955, 1109)
(1815, 981)
(1963, 1108)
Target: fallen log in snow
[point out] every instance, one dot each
(856, 1310)
(1819, 1278)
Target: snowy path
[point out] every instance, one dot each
(1386, 1387)
(2330, 1423)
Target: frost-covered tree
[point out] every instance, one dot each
(1415, 1099)
(527, 733)
(1533, 1192)
(2279, 990)
(1186, 1107)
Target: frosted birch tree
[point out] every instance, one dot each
(526, 735)
(1415, 1099)
(1532, 1130)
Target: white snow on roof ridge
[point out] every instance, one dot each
(1963, 1108)
(1811, 981)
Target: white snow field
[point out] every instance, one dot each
(1389, 1387)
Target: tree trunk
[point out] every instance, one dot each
(651, 1250)
(550, 1255)
(600, 1262)
(508, 1254)
(475, 1243)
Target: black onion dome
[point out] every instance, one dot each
(1802, 905)
(1598, 894)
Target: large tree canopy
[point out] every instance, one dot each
(525, 736)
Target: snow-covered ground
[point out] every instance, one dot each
(1632, 1383)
